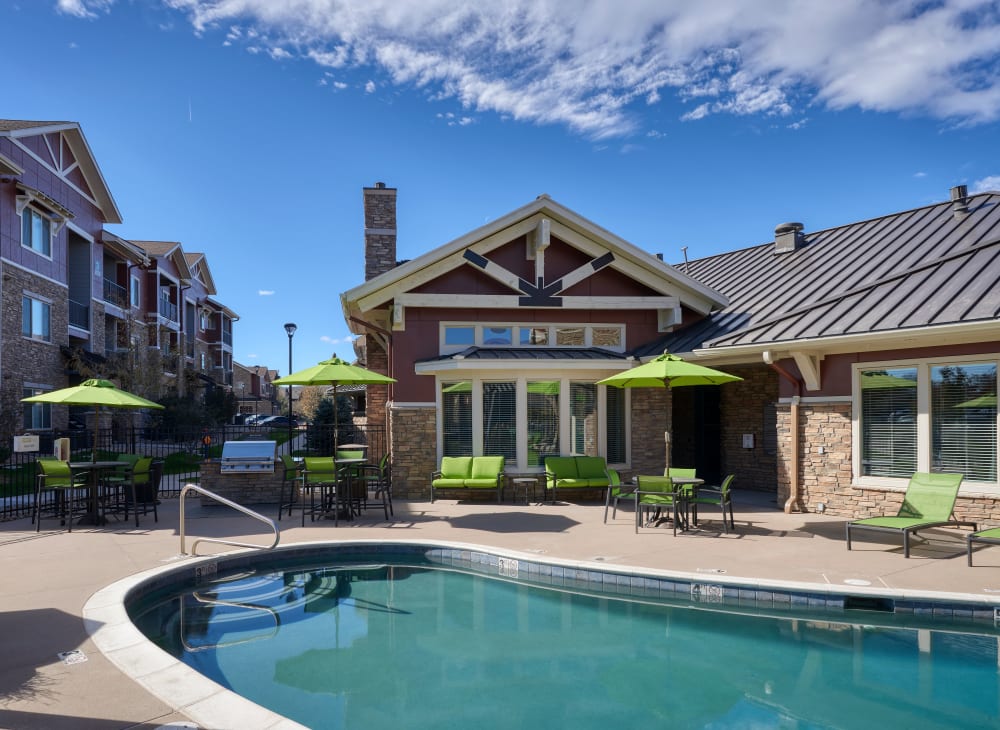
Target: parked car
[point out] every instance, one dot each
(276, 421)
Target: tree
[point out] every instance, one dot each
(309, 400)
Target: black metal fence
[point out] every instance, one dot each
(182, 452)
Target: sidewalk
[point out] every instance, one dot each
(49, 576)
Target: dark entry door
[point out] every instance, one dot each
(707, 433)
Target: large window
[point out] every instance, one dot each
(36, 415)
(938, 417)
(526, 419)
(36, 232)
(500, 420)
(543, 420)
(35, 319)
(456, 418)
(889, 422)
(964, 420)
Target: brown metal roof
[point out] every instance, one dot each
(12, 125)
(917, 268)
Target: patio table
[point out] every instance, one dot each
(93, 469)
(689, 488)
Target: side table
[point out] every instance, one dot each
(526, 483)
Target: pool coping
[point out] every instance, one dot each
(211, 705)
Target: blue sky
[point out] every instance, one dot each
(246, 129)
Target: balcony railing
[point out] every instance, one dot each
(115, 294)
(79, 315)
(168, 309)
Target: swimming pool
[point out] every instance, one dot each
(362, 635)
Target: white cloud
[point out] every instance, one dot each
(334, 341)
(84, 8)
(265, 292)
(920, 174)
(591, 66)
(990, 183)
(370, 87)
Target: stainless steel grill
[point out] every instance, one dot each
(247, 457)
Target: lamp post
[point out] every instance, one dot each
(290, 329)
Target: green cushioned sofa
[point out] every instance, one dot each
(575, 472)
(469, 472)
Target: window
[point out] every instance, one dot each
(964, 420)
(615, 420)
(606, 337)
(543, 420)
(958, 422)
(583, 418)
(534, 336)
(134, 291)
(36, 415)
(35, 319)
(500, 420)
(497, 336)
(456, 418)
(526, 419)
(463, 336)
(36, 232)
(569, 336)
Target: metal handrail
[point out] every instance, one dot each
(249, 512)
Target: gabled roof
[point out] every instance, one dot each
(922, 268)
(566, 224)
(170, 250)
(198, 262)
(15, 128)
(126, 249)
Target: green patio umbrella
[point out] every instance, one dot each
(97, 393)
(668, 371)
(334, 372)
(983, 401)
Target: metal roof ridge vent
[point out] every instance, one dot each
(787, 237)
(960, 202)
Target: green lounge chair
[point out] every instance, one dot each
(655, 493)
(929, 502)
(989, 537)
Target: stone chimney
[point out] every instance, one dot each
(787, 237)
(380, 230)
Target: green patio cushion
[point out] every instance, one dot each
(564, 467)
(456, 467)
(596, 481)
(480, 483)
(487, 467)
(592, 467)
(441, 482)
(992, 533)
(899, 523)
(570, 483)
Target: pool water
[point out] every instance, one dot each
(395, 646)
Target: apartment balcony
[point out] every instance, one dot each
(168, 310)
(79, 315)
(227, 338)
(115, 294)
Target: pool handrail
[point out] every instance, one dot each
(249, 512)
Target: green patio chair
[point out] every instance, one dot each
(321, 476)
(374, 479)
(929, 502)
(59, 492)
(721, 496)
(987, 537)
(656, 493)
(287, 496)
(616, 493)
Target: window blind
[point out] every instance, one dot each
(543, 420)
(583, 418)
(500, 420)
(889, 422)
(456, 414)
(616, 425)
(964, 420)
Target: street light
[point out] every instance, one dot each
(290, 329)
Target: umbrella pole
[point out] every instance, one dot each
(335, 424)
(666, 455)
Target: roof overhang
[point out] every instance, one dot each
(9, 167)
(219, 307)
(126, 249)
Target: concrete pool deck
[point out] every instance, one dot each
(50, 576)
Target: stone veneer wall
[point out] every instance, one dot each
(26, 360)
(413, 432)
(254, 488)
(827, 477)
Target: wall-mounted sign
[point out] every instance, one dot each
(28, 442)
